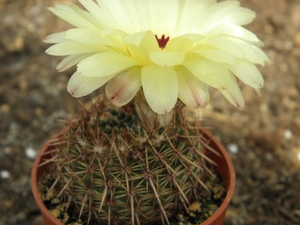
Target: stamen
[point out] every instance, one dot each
(162, 42)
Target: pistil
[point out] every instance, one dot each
(162, 42)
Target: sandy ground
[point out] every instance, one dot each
(262, 137)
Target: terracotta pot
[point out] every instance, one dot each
(224, 168)
(36, 173)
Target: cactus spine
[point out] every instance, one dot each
(116, 170)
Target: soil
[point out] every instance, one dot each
(261, 138)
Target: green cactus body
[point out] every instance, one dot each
(114, 170)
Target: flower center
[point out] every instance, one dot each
(162, 42)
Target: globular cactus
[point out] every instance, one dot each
(111, 168)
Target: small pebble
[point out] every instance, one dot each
(45, 127)
(30, 153)
(8, 150)
(288, 134)
(269, 157)
(233, 148)
(4, 174)
(5, 108)
(288, 45)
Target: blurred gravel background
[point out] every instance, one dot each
(262, 138)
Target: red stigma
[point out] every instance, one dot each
(162, 42)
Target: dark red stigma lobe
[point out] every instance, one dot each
(162, 42)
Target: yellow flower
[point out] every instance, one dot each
(170, 48)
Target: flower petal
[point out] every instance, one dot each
(179, 44)
(108, 31)
(192, 91)
(96, 38)
(226, 12)
(147, 38)
(216, 55)
(236, 31)
(140, 44)
(123, 87)
(104, 64)
(123, 14)
(75, 16)
(233, 93)
(191, 36)
(163, 16)
(163, 58)
(70, 61)
(190, 16)
(79, 85)
(238, 48)
(87, 36)
(96, 11)
(56, 37)
(261, 55)
(160, 88)
(211, 73)
(73, 48)
(248, 73)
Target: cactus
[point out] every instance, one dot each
(113, 169)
